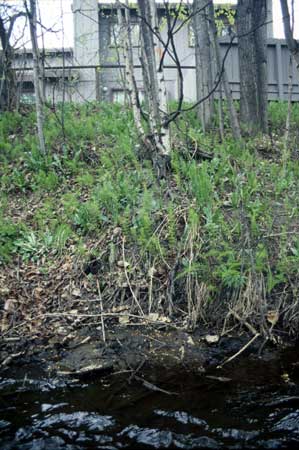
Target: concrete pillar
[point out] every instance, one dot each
(86, 45)
(269, 19)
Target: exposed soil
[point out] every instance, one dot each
(130, 349)
(55, 320)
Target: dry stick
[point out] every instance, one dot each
(150, 289)
(101, 306)
(9, 358)
(153, 387)
(243, 322)
(144, 318)
(288, 118)
(231, 358)
(69, 314)
(280, 234)
(220, 111)
(128, 281)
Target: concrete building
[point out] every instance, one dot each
(90, 71)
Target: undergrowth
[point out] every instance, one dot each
(216, 234)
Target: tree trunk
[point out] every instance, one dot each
(131, 85)
(288, 118)
(203, 61)
(251, 28)
(233, 116)
(7, 76)
(162, 92)
(37, 75)
(154, 85)
(293, 45)
(149, 60)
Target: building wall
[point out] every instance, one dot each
(94, 48)
(59, 80)
(111, 80)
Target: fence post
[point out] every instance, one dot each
(97, 78)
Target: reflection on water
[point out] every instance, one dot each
(257, 408)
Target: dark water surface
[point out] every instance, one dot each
(258, 408)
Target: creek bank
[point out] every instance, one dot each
(129, 350)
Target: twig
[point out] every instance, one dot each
(87, 370)
(243, 322)
(231, 358)
(10, 358)
(134, 372)
(153, 387)
(101, 306)
(280, 234)
(10, 339)
(127, 278)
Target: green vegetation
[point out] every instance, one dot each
(216, 233)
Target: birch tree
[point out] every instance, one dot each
(251, 28)
(37, 73)
(124, 22)
(154, 84)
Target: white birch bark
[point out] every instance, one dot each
(162, 91)
(154, 81)
(131, 86)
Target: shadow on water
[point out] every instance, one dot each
(253, 404)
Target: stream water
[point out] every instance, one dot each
(252, 404)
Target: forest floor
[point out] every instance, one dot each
(104, 267)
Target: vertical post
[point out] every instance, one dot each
(86, 44)
(269, 19)
(97, 78)
(279, 71)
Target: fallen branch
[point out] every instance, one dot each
(87, 370)
(153, 387)
(231, 358)
(127, 278)
(135, 316)
(243, 322)
(102, 318)
(10, 358)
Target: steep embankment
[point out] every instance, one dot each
(90, 238)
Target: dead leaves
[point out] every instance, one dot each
(272, 317)
(212, 338)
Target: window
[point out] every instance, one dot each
(26, 90)
(27, 87)
(118, 96)
(117, 34)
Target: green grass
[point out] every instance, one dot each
(219, 222)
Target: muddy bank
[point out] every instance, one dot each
(128, 349)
